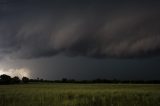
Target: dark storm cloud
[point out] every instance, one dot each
(33, 29)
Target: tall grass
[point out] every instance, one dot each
(79, 95)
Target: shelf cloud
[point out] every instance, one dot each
(33, 30)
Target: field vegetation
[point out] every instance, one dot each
(69, 94)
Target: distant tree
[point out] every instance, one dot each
(72, 80)
(25, 80)
(16, 80)
(5, 79)
(41, 80)
(64, 80)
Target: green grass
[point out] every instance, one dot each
(80, 95)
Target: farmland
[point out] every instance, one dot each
(55, 94)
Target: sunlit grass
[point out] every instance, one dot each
(79, 95)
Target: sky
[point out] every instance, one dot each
(80, 39)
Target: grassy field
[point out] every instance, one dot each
(80, 95)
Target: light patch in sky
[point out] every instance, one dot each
(21, 72)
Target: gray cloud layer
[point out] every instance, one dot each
(30, 30)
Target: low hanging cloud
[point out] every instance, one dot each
(21, 72)
(29, 30)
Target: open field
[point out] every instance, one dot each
(80, 95)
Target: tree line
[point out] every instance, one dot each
(6, 79)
